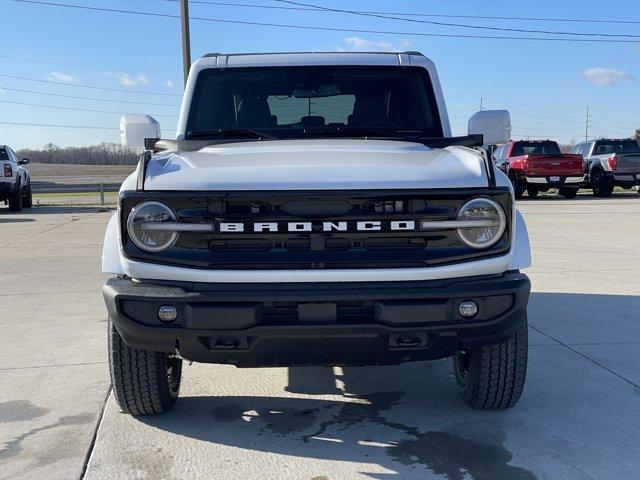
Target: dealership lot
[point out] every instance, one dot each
(578, 417)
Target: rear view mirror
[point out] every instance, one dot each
(494, 125)
(135, 128)
(321, 91)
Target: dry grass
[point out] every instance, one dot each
(64, 170)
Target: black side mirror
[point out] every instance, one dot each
(24, 161)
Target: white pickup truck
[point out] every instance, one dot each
(15, 182)
(316, 210)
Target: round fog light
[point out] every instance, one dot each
(468, 309)
(167, 313)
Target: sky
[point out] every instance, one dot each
(64, 68)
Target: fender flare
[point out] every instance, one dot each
(521, 253)
(111, 248)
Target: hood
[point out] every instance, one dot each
(316, 165)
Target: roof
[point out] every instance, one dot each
(221, 60)
(217, 54)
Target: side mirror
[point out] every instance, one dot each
(24, 161)
(494, 125)
(135, 128)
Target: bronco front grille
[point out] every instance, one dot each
(324, 234)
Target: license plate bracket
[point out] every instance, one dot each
(317, 312)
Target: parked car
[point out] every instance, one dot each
(536, 166)
(15, 182)
(610, 163)
(315, 210)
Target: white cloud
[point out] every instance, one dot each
(129, 80)
(168, 84)
(356, 44)
(606, 76)
(62, 77)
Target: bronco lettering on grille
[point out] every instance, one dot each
(293, 227)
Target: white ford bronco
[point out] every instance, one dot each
(316, 210)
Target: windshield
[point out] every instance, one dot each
(3, 154)
(284, 101)
(535, 148)
(616, 146)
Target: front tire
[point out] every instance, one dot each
(143, 382)
(519, 186)
(27, 199)
(492, 377)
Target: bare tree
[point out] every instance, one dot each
(103, 154)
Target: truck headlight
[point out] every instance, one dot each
(482, 222)
(145, 227)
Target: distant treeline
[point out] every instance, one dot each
(103, 154)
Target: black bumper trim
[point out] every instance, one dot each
(370, 322)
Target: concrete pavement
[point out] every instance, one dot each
(578, 417)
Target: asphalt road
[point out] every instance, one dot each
(579, 416)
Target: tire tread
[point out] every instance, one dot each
(138, 378)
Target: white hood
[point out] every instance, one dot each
(316, 165)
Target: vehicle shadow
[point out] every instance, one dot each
(49, 210)
(361, 423)
(409, 419)
(582, 196)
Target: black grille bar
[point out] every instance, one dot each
(315, 248)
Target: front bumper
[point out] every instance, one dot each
(363, 323)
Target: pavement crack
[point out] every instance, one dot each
(72, 220)
(46, 293)
(94, 437)
(586, 357)
(52, 366)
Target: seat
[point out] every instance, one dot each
(254, 113)
(367, 110)
(312, 121)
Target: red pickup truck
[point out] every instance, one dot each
(536, 166)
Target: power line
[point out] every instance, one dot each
(87, 127)
(93, 87)
(329, 29)
(615, 123)
(35, 92)
(413, 14)
(85, 67)
(78, 109)
(53, 125)
(457, 25)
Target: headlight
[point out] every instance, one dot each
(145, 226)
(490, 219)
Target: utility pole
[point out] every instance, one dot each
(586, 126)
(186, 39)
(481, 103)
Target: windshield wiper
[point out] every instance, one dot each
(242, 132)
(417, 136)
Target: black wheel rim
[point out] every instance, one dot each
(463, 364)
(173, 371)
